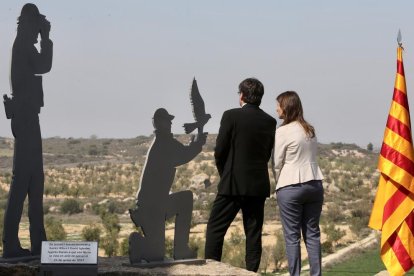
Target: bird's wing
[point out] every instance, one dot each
(197, 102)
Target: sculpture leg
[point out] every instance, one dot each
(151, 246)
(37, 229)
(135, 247)
(35, 191)
(17, 194)
(181, 205)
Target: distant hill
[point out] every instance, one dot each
(71, 151)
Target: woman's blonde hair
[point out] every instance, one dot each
(291, 106)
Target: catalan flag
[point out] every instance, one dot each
(392, 212)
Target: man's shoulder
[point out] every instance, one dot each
(268, 116)
(233, 110)
(247, 112)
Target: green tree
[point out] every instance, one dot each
(70, 206)
(54, 229)
(370, 146)
(110, 241)
(91, 233)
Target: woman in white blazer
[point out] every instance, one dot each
(299, 189)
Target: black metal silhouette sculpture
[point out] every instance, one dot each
(199, 111)
(155, 203)
(23, 109)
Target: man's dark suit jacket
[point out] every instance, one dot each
(243, 148)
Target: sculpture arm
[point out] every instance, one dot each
(185, 153)
(42, 62)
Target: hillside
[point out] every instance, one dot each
(104, 173)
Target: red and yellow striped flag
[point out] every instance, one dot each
(392, 212)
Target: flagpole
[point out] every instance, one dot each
(399, 39)
(393, 209)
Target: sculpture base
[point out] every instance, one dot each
(167, 263)
(15, 260)
(68, 270)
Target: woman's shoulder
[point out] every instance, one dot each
(293, 131)
(293, 126)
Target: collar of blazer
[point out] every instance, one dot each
(248, 105)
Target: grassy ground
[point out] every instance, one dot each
(367, 262)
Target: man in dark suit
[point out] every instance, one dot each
(243, 148)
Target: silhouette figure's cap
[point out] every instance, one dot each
(162, 113)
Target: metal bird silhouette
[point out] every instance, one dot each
(199, 111)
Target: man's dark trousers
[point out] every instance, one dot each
(225, 208)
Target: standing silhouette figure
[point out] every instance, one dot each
(23, 108)
(155, 203)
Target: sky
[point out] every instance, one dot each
(116, 62)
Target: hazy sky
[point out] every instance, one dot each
(116, 62)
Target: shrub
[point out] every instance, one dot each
(359, 226)
(93, 150)
(333, 234)
(98, 209)
(234, 250)
(70, 206)
(54, 229)
(124, 248)
(169, 247)
(91, 233)
(327, 247)
(1, 227)
(110, 222)
(110, 242)
(46, 207)
(236, 237)
(266, 258)
(334, 213)
(197, 244)
(279, 251)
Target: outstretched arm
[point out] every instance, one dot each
(185, 153)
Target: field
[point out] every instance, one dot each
(362, 263)
(98, 179)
